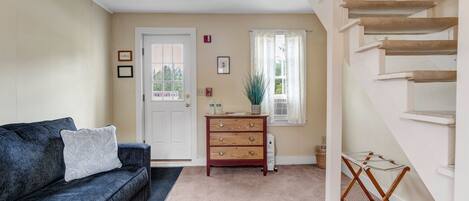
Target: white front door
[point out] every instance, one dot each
(168, 80)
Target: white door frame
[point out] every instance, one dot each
(461, 176)
(140, 32)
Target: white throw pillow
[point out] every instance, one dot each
(89, 151)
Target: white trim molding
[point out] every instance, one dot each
(103, 6)
(140, 32)
(279, 160)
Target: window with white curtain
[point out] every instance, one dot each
(280, 56)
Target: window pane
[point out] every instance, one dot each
(168, 86)
(278, 68)
(178, 72)
(157, 53)
(158, 86)
(167, 53)
(157, 90)
(179, 89)
(278, 86)
(157, 72)
(168, 72)
(178, 53)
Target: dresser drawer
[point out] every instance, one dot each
(236, 139)
(240, 124)
(236, 153)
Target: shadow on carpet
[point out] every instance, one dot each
(162, 180)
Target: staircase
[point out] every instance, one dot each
(405, 60)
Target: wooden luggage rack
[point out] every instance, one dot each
(366, 161)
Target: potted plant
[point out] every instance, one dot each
(255, 87)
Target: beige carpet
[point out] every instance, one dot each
(290, 183)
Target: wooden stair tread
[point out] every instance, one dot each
(361, 8)
(422, 76)
(404, 25)
(414, 47)
(438, 117)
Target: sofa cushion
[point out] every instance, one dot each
(31, 156)
(115, 185)
(89, 151)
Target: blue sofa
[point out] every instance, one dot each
(32, 167)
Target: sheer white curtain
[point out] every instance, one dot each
(295, 65)
(263, 60)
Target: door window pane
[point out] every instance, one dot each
(168, 72)
(178, 72)
(177, 54)
(157, 53)
(157, 72)
(178, 87)
(167, 53)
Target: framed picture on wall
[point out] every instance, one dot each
(223, 65)
(124, 55)
(125, 71)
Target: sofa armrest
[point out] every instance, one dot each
(137, 155)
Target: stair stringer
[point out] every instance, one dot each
(426, 145)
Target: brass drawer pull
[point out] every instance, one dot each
(251, 153)
(252, 139)
(251, 124)
(221, 125)
(221, 153)
(221, 139)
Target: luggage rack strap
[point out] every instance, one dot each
(369, 156)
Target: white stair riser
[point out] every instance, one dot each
(424, 13)
(440, 96)
(410, 63)
(443, 35)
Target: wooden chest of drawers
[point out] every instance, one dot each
(236, 141)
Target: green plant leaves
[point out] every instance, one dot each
(255, 87)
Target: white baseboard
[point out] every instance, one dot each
(196, 162)
(280, 160)
(369, 185)
(295, 160)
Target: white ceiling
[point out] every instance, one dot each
(207, 6)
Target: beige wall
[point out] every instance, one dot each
(363, 128)
(230, 35)
(54, 61)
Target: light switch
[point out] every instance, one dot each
(200, 92)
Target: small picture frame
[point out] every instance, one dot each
(125, 71)
(223, 65)
(124, 55)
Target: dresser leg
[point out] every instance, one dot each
(265, 170)
(208, 170)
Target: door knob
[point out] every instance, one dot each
(188, 105)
